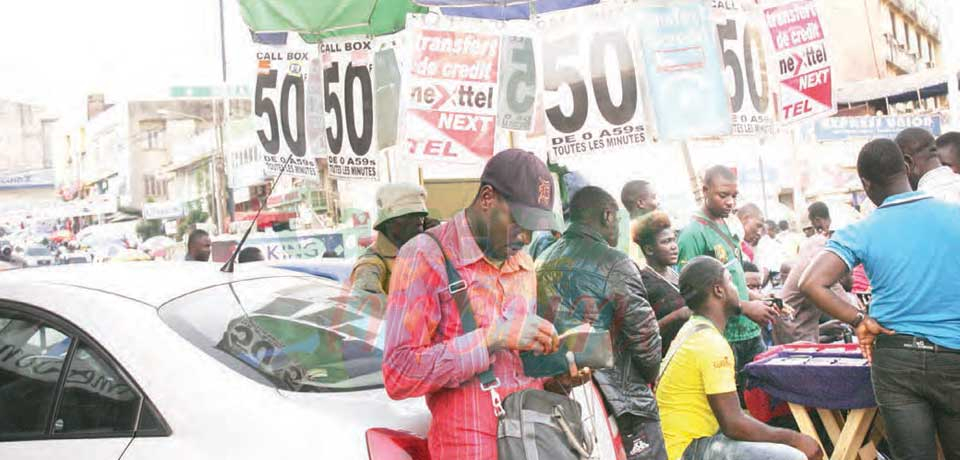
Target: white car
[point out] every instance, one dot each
(177, 360)
(33, 256)
(165, 362)
(79, 257)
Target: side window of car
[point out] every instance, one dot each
(97, 399)
(31, 359)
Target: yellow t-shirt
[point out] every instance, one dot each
(703, 366)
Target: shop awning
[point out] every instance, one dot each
(318, 19)
(897, 89)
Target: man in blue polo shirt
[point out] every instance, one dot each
(910, 247)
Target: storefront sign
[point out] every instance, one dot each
(287, 245)
(591, 89)
(842, 128)
(164, 210)
(451, 92)
(682, 64)
(518, 83)
(37, 178)
(280, 110)
(209, 92)
(745, 65)
(348, 100)
(800, 61)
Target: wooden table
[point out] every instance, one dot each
(855, 436)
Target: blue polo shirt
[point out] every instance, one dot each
(910, 248)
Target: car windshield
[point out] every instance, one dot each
(38, 251)
(294, 333)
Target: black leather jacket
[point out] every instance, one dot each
(580, 278)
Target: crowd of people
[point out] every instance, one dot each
(687, 305)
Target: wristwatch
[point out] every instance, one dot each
(856, 321)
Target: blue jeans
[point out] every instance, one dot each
(720, 447)
(919, 397)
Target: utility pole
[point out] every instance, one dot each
(220, 183)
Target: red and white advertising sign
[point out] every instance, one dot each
(800, 61)
(451, 92)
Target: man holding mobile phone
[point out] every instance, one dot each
(429, 350)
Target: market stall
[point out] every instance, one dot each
(831, 380)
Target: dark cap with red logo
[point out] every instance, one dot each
(525, 182)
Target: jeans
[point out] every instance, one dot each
(720, 447)
(919, 396)
(743, 352)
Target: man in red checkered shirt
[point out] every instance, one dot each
(427, 352)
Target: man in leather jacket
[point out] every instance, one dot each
(583, 279)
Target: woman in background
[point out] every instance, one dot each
(658, 241)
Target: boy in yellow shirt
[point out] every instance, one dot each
(697, 393)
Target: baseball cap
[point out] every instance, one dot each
(525, 182)
(396, 200)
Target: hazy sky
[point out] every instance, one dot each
(55, 52)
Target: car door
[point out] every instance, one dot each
(60, 395)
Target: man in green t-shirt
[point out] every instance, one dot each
(708, 235)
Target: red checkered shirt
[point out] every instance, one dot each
(426, 351)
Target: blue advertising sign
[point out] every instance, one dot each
(684, 74)
(843, 128)
(35, 178)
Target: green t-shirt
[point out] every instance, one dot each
(698, 239)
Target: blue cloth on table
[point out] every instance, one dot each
(813, 385)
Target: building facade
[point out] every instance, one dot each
(26, 156)
(124, 149)
(878, 39)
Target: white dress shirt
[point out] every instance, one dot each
(941, 183)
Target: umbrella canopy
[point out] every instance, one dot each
(158, 242)
(121, 234)
(61, 235)
(130, 255)
(319, 19)
(157, 246)
(502, 9)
